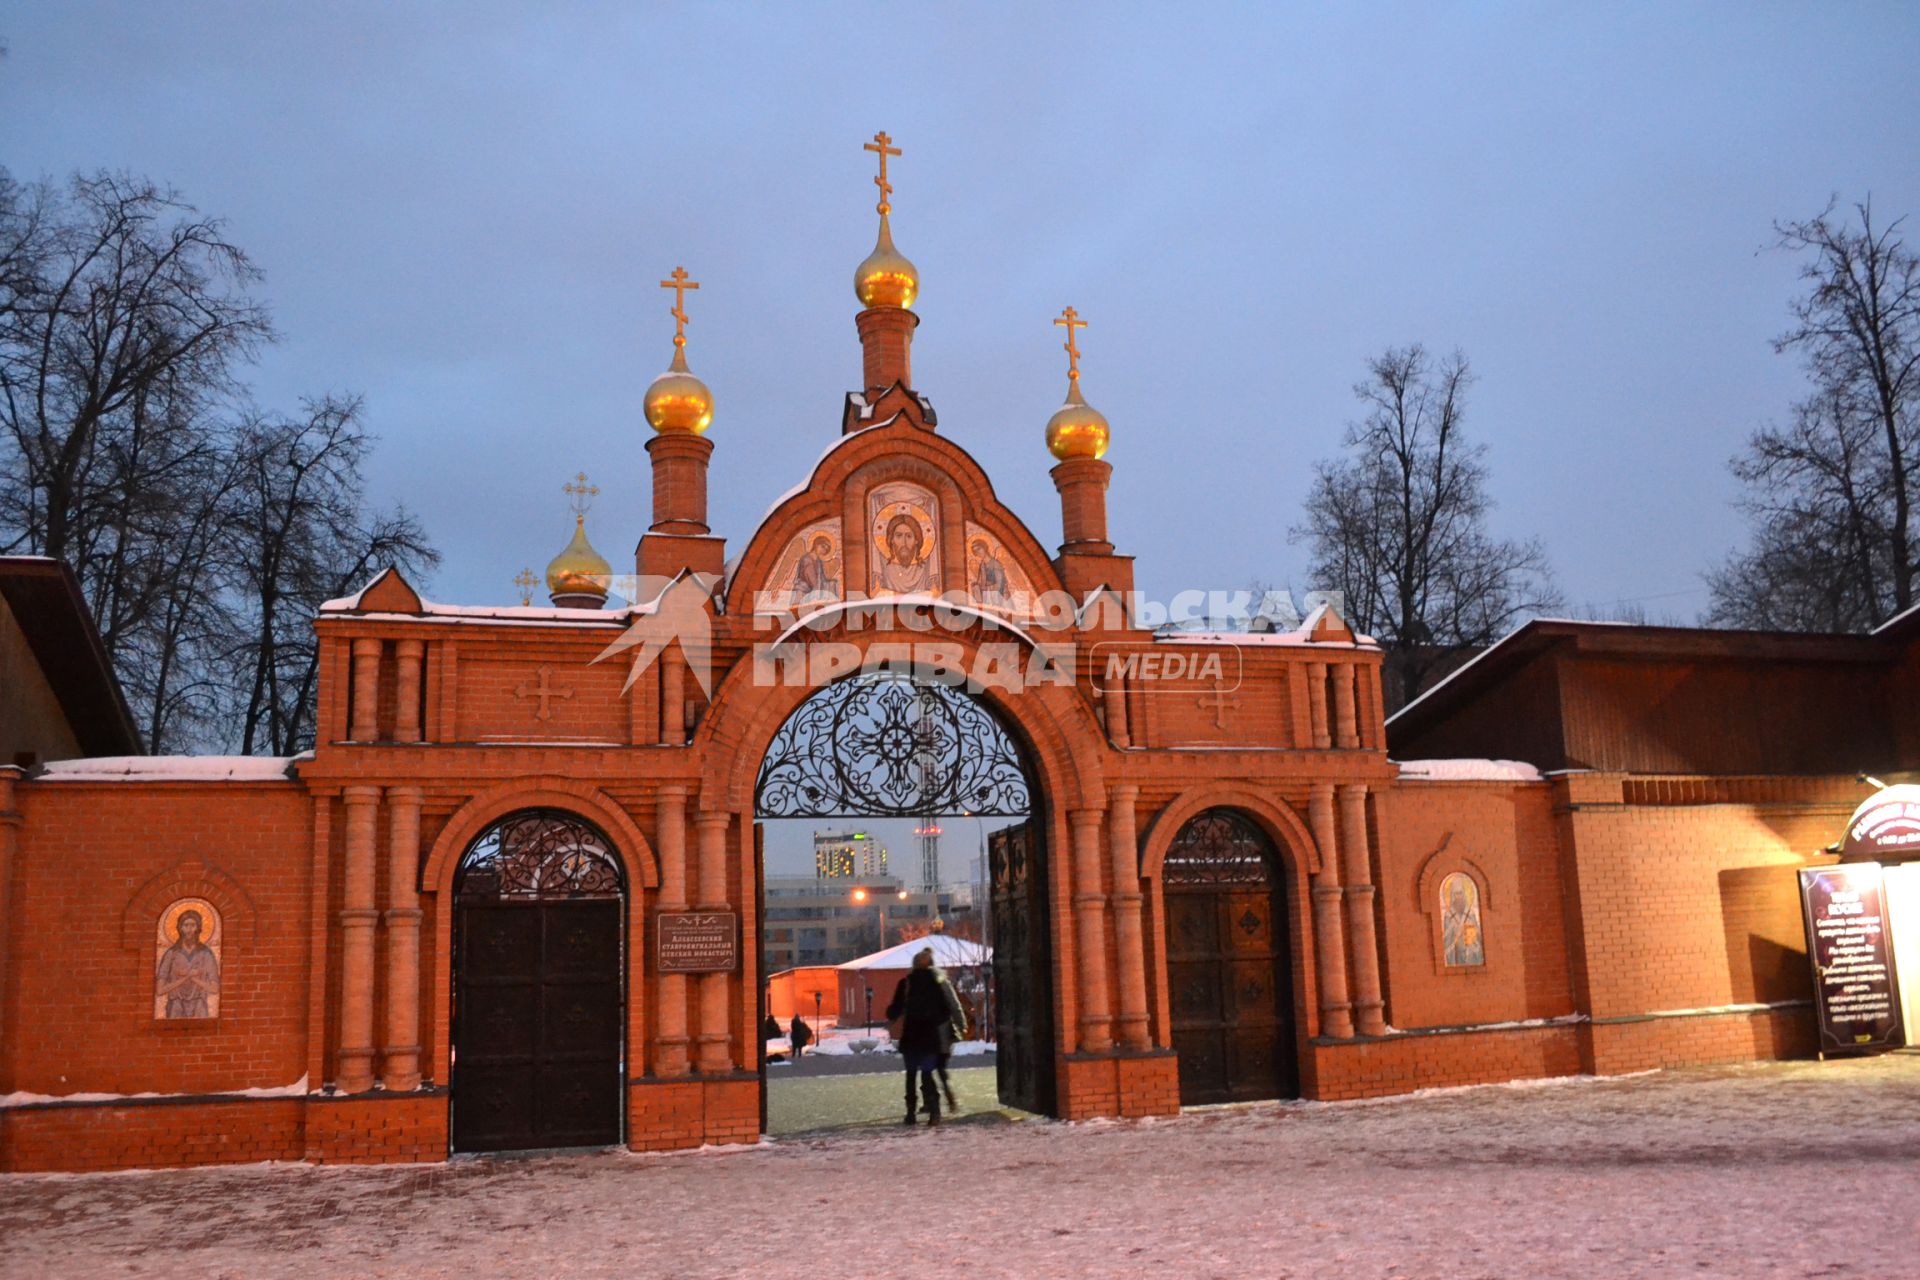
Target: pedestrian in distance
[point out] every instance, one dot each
(800, 1037)
(921, 1018)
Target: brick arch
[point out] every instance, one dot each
(1054, 726)
(591, 803)
(188, 880)
(1299, 856)
(846, 470)
(1440, 864)
(1277, 818)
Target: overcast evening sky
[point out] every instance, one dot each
(463, 212)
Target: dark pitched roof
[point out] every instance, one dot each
(45, 598)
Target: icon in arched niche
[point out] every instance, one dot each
(995, 579)
(809, 571)
(1461, 943)
(186, 974)
(903, 539)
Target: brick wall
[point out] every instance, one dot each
(94, 866)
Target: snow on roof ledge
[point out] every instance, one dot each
(1468, 771)
(172, 769)
(948, 952)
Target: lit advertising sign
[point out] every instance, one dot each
(1855, 990)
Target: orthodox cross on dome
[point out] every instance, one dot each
(545, 692)
(883, 147)
(580, 494)
(1219, 701)
(526, 582)
(1071, 319)
(679, 283)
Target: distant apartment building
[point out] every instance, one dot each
(822, 920)
(847, 855)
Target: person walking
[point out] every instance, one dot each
(800, 1037)
(957, 1026)
(921, 1012)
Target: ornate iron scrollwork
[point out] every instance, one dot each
(1218, 846)
(537, 855)
(886, 745)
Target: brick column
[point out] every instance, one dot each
(1317, 704)
(1344, 735)
(400, 1067)
(406, 690)
(1329, 938)
(716, 1056)
(1129, 942)
(1363, 953)
(1115, 700)
(680, 481)
(354, 1071)
(673, 697)
(886, 347)
(1082, 483)
(670, 1011)
(1090, 936)
(364, 725)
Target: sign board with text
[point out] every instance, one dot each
(697, 942)
(1856, 992)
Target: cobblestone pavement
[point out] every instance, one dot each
(1792, 1169)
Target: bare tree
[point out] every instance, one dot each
(205, 534)
(1398, 525)
(1831, 495)
(301, 534)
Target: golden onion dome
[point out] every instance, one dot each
(886, 278)
(678, 401)
(1077, 429)
(579, 570)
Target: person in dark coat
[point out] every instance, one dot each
(924, 1003)
(800, 1037)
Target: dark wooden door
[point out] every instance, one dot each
(537, 1035)
(1228, 964)
(1022, 969)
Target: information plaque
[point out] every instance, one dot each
(1856, 993)
(697, 942)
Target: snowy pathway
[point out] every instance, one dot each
(1798, 1169)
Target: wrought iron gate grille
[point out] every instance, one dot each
(887, 745)
(1218, 846)
(539, 855)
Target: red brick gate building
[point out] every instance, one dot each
(439, 930)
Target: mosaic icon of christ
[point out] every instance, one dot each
(906, 570)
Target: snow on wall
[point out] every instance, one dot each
(172, 769)
(298, 1089)
(1468, 771)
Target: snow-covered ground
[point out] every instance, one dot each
(1796, 1169)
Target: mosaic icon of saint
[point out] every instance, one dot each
(188, 974)
(906, 569)
(989, 576)
(1460, 941)
(813, 575)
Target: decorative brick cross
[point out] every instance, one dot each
(543, 691)
(1219, 701)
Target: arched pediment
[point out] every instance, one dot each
(892, 510)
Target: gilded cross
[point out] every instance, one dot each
(580, 494)
(1219, 701)
(882, 147)
(545, 692)
(679, 283)
(526, 582)
(1071, 320)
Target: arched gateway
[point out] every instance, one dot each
(891, 639)
(896, 744)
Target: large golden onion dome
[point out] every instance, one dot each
(678, 401)
(886, 278)
(1077, 429)
(579, 575)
